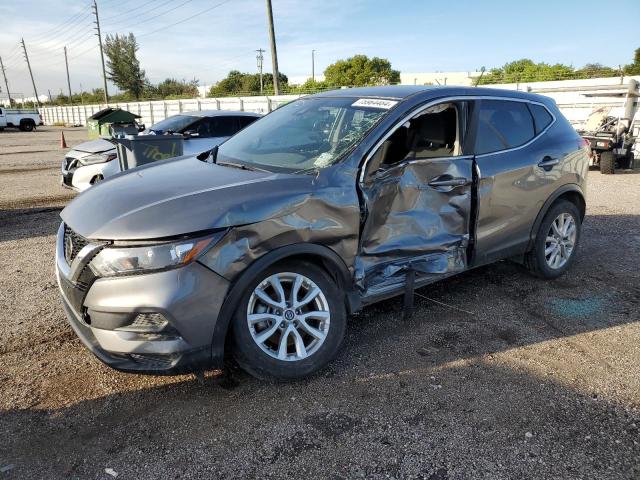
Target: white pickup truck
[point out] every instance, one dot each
(22, 118)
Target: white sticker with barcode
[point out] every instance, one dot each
(374, 103)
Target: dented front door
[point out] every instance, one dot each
(416, 216)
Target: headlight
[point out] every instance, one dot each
(97, 158)
(129, 260)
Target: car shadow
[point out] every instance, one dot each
(25, 223)
(496, 374)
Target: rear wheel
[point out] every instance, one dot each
(290, 322)
(607, 163)
(27, 126)
(556, 241)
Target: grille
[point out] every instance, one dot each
(153, 361)
(70, 162)
(73, 243)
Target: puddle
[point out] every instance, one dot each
(577, 307)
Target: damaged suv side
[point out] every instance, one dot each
(330, 203)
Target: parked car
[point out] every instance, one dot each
(93, 161)
(329, 203)
(25, 119)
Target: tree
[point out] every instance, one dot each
(526, 70)
(172, 88)
(633, 68)
(361, 70)
(123, 65)
(237, 83)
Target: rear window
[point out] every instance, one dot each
(503, 124)
(541, 117)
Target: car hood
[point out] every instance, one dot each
(95, 146)
(181, 196)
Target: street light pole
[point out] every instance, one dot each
(260, 59)
(26, 57)
(313, 66)
(274, 53)
(104, 72)
(66, 63)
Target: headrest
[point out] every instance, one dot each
(432, 129)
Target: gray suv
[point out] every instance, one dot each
(264, 245)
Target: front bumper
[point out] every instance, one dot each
(189, 298)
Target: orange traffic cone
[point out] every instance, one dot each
(63, 143)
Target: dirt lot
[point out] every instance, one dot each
(529, 379)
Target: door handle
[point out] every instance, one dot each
(449, 182)
(547, 163)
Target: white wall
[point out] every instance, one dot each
(575, 98)
(154, 111)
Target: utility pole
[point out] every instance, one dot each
(313, 66)
(274, 53)
(26, 57)
(260, 59)
(66, 62)
(6, 84)
(104, 72)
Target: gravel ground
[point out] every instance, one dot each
(515, 378)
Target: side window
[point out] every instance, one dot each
(503, 124)
(218, 127)
(245, 121)
(541, 117)
(434, 133)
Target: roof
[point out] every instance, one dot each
(401, 92)
(218, 113)
(106, 113)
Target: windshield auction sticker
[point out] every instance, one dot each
(374, 103)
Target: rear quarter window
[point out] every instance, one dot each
(541, 117)
(503, 124)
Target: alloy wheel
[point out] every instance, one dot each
(560, 241)
(288, 316)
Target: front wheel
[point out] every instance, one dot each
(290, 322)
(556, 241)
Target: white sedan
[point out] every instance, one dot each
(93, 161)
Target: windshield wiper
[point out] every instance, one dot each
(306, 170)
(243, 166)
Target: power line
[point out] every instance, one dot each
(184, 19)
(128, 11)
(154, 16)
(64, 24)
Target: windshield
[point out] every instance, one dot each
(172, 124)
(307, 134)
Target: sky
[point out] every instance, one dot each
(204, 39)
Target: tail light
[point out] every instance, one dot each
(585, 144)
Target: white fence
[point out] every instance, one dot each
(153, 111)
(575, 98)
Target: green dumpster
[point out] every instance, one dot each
(98, 124)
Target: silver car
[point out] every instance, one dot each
(93, 161)
(330, 203)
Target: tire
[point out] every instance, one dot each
(267, 360)
(626, 162)
(538, 261)
(27, 127)
(607, 163)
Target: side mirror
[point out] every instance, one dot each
(141, 128)
(190, 134)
